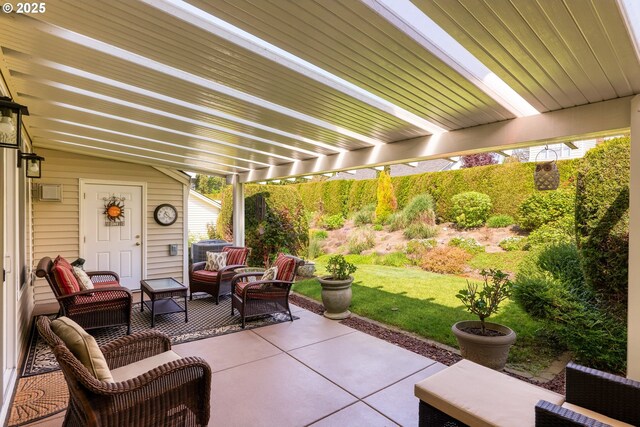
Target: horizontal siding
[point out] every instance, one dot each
(56, 224)
(201, 214)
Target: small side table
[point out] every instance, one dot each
(161, 293)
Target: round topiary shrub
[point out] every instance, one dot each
(471, 209)
(543, 207)
(602, 218)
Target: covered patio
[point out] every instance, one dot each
(133, 93)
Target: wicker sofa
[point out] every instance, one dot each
(109, 304)
(150, 385)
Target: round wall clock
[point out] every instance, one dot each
(165, 214)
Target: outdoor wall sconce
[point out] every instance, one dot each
(34, 164)
(11, 123)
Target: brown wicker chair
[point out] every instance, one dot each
(173, 394)
(109, 304)
(605, 394)
(255, 297)
(217, 283)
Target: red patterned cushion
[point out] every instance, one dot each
(286, 268)
(62, 262)
(236, 256)
(257, 292)
(67, 283)
(106, 284)
(205, 276)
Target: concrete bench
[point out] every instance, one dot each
(479, 396)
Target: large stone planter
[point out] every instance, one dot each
(488, 351)
(307, 270)
(336, 297)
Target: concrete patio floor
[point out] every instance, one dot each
(312, 372)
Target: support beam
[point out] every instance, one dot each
(585, 121)
(571, 145)
(238, 211)
(633, 337)
(502, 153)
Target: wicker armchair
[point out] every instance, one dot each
(605, 394)
(217, 283)
(176, 393)
(255, 297)
(109, 304)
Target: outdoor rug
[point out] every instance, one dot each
(206, 319)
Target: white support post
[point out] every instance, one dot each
(633, 337)
(238, 211)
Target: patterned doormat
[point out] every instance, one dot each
(37, 397)
(206, 319)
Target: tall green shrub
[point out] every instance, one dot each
(277, 225)
(543, 207)
(550, 286)
(471, 209)
(602, 218)
(386, 199)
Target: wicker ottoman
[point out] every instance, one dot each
(469, 394)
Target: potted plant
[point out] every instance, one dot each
(480, 341)
(336, 288)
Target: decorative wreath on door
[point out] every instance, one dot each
(114, 211)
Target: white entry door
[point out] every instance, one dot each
(113, 244)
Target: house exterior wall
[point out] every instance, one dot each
(563, 151)
(201, 213)
(56, 224)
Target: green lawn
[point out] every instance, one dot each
(424, 303)
(505, 261)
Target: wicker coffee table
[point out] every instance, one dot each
(161, 292)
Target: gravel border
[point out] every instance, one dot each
(412, 343)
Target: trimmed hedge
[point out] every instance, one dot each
(283, 226)
(508, 185)
(543, 207)
(602, 219)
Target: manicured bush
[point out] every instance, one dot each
(360, 239)
(333, 222)
(602, 219)
(420, 230)
(470, 209)
(499, 221)
(274, 221)
(444, 260)
(513, 243)
(550, 287)
(364, 216)
(468, 244)
(560, 231)
(543, 207)
(508, 185)
(387, 203)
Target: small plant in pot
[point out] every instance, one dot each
(480, 341)
(336, 288)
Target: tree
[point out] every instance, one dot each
(205, 184)
(387, 203)
(480, 159)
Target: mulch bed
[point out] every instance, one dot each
(412, 343)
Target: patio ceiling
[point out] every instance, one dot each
(271, 89)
